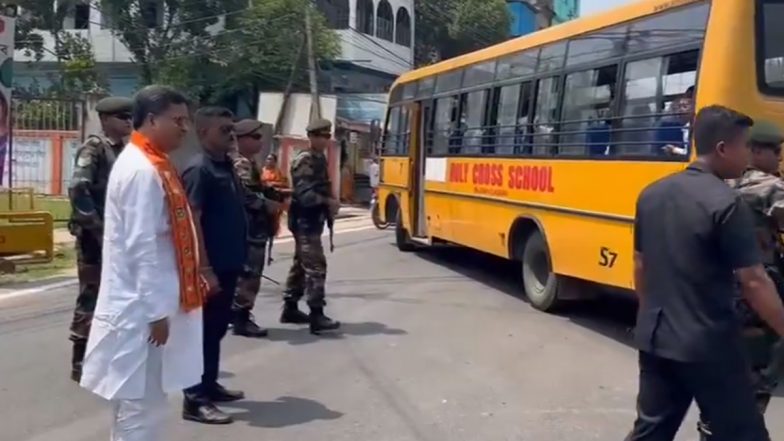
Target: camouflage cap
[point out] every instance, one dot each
(766, 132)
(247, 127)
(319, 125)
(114, 104)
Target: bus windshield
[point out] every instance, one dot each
(771, 38)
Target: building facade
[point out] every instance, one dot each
(376, 40)
(531, 15)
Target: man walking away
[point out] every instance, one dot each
(312, 203)
(145, 339)
(260, 213)
(215, 194)
(692, 235)
(87, 192)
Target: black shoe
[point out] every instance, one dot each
(77, 358)
(205, 413)
(220, 394)
(246, 327)
(292, 314)
(320, 322)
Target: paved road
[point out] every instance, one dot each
(436, 346)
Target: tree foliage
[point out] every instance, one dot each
(448, 28)
(75, 71)
(257, 51)
(152, 35)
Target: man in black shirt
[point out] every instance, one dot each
(693, 237)
(216, 197)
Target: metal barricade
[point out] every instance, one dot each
(25, 238)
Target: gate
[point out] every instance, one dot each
(36, 160)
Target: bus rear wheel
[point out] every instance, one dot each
(402, 239)
(539, 281)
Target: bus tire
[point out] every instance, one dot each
(539, 281)
(402, 239)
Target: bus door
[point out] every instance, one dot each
(421, 121)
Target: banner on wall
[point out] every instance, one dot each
(7, 24)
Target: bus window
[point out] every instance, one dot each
(391, 132)
(446, 109)
(523, 129)
(596, 47)
(640, 104)
(506, 120)
(552, 57)
(771, 39)
(656, 107)
(683, 26)
(474, 117)
(404, 131)
(546, 116)
(588, 99)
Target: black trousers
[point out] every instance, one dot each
(217, 316)
(722, 389)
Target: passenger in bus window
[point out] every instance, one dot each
(673, 133)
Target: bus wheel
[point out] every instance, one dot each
(402, 239)
(539, 281)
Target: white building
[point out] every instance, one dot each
(376, 35)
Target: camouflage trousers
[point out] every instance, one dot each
(308, 272)
(88, 261)
(249, 282)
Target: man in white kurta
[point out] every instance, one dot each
(140, 287)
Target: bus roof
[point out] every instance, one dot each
(572, 28)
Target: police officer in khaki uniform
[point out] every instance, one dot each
(87, 193)
(259, 211)
(312, 204)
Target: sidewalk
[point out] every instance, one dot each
(63, 237)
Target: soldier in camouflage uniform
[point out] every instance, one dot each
(763, 190)
(259, 211)
(87, 193)
(312, 205)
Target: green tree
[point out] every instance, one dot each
(256, 52)
(153, 35)
(76, 71)
(448, 28)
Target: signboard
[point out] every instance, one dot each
(7, 25)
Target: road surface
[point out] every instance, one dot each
(435, 346)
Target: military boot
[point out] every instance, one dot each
(320, 322)
(246, 327)
(77, 358)
(292, 314)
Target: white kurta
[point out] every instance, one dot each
(139, 285)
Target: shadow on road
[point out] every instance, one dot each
(301, 336)
(283, 412)
(612, 314)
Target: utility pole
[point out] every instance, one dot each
(315, 102)
(289, 86)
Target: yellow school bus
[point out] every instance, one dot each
(536, 149)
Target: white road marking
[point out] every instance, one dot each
(67, 283)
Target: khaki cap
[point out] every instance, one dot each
(247, 127)
(319, 125)
(766, 132)
(114, 104)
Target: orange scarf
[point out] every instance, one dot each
(186, 245)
